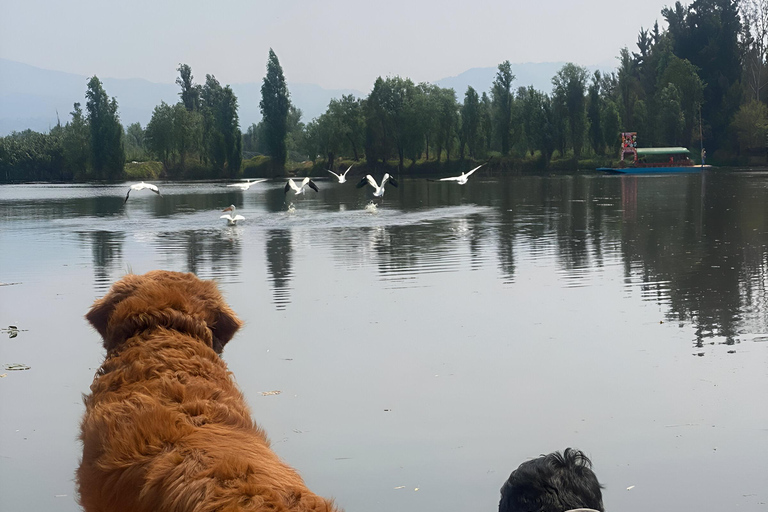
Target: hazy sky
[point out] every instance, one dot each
(335, 44)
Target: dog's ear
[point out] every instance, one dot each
(225, 326)
(102, 309)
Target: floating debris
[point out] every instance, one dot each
(630, 487)
(731, 351)
(3, 375)
(8, 284)
(270, 393)
(16, 366)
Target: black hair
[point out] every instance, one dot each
(552, 483)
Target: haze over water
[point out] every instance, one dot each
(424, 348)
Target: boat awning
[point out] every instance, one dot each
(662, 151)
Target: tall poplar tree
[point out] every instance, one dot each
(107, 152)
(190, 93)
(502, 101)
(470, 122)
(275, 104)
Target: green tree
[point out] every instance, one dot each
(76, 144)
(537, 119)
(187, 133)
(447, 112)
(275, 104)
(348, 114)
(486, 124)
(755, 40)
(390, 119)
(501, 92)
(159, 134)
(628, 87)
(221, 127)
(107, 152)
(293, 141)
(569, 85)
(671, 118)
(190, 93)
(683, 75)
(594, 115)
(611, 119)
(470, 122)
(706, 34)
(134, 142)
(751, 125)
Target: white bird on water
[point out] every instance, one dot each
(247, 184)
(341, 177)
(142, 186)
(462, 178)
(378, 189)
(231, 217)
(300, 189)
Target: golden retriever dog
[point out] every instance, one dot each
(165, 426)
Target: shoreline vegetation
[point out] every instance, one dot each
(668, 91)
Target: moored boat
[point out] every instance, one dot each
(634, 160)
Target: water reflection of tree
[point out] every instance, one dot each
(703, 237)
(107, 253)
(279, 249)
(215, 253)
(694, 243)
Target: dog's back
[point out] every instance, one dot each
(165, 426)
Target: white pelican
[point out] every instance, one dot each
(300, 189)
(231, 217)
(462, 178)
(341, 177)
(378, 189)
(247, 184)
(142, 186)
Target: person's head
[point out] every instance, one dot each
(552, 483)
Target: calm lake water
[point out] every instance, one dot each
(425, 348)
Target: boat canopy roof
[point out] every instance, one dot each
(662, 151)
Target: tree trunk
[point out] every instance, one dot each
(354, 147)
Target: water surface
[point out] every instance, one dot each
(425, 347)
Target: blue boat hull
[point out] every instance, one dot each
(654, 170)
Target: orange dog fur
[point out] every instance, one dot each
(165, 426)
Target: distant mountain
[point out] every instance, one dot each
(31, 97)
(539, 75)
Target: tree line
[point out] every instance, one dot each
(698, 82)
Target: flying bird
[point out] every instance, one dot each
(300, 189)
(142, 186)
(462, 178)
(247, 184)
(231, 217)
(341, 177)
(378, 190)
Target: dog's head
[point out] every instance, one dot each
(160, 298)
